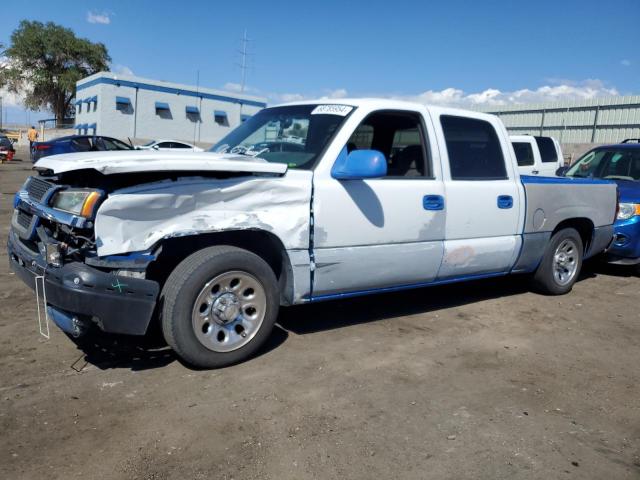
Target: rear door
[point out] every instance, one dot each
(484, 195)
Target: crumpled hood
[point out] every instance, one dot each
(127, 161)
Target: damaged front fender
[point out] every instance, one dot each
(136, 218)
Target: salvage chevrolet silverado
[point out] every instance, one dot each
(301, 203)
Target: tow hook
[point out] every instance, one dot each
(68, 322)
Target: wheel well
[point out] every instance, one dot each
(264, 244)
(584, 226)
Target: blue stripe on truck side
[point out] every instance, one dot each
(563, 180)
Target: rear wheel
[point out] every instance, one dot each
(219, 306)
(561, 263)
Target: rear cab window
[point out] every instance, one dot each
(547, 148)
(474, 149)
(524, 154)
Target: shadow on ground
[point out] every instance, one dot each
(107, 351)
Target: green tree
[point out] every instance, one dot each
(44, 62)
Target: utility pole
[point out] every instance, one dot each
(0, 113)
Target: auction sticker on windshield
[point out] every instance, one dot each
(342, 110)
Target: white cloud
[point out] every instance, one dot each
(232, 87)
(95, 17)
(333, 94)
(555, 90)
(454, 97)
(625, 63)
(121, 70)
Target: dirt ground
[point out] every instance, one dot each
(478, 380)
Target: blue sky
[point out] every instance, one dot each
(456, 52)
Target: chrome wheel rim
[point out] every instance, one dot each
(229, 311)
(565, 262)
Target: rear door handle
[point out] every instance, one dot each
(433, 202)
(505, 201)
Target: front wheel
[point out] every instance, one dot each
(561, 263)
(219, 306)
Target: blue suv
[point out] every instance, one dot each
(620, 163)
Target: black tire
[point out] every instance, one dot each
(185, 284)
(544, 280)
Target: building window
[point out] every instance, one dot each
(123, 104)
(220, 117)
(163, 110)
(193, 113)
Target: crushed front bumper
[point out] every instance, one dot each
(116, 304)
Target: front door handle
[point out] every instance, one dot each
(505, 201)
(433, 202)
(535, 172)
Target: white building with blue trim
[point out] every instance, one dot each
(125, 106)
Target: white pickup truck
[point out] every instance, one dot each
(537, 155)
(379, 196)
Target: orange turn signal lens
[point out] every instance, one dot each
(89, 204)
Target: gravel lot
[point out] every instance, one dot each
(476, 380)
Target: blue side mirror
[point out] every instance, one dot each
(359, 164)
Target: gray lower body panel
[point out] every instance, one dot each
(533, 248)
(602, 238)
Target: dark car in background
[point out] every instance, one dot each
(621, 164)
(6, 148)
(76, 143)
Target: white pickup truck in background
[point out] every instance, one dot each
(302, 202)
(537, 155)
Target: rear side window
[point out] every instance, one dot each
(81, 144)
(474, 149)
(180, 145)
(524, 153)
(547, 149)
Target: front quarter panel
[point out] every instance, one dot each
(135, 219)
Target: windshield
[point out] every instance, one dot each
(608, 163)
(293, 135)
(148, 144)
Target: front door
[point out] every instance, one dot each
(387, 232)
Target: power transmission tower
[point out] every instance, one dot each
(244, 64)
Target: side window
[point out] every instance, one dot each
(524, 154)
(474, 149)
(108, 144)
(165, 145)
(81, 144)
(547, 148)
(180, 145)
(400, 137)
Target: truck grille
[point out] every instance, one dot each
(24, 219)
(38, 188)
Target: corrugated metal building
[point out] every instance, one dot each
(600, 120)
(124, 106)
